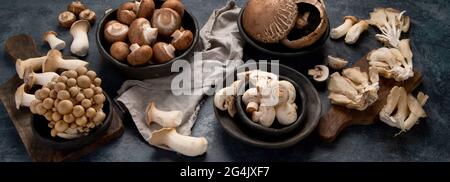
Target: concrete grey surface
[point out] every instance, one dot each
(428, 141)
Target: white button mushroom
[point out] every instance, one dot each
(286, 109)
(225, 98)
(342, 30)
(319, 73)
(80, 43)
(166, 119)
(54, 61)
(186, 145)
(355, 31)
(53, 41)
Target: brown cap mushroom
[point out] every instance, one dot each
(76, 7)
(119, 51)
(88, 15)
(144, 8)
(269, 21)
(141, 32)
(163, 52)
(53, 41)
(176, 5)
(54, 61)
(126, 13)
(115, 31)
(166, 21)
(181, 40)
(139, 55)
(66, 19)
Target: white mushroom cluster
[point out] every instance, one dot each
(391, 22)
(354, 89)
(168, 137)
(403, 110)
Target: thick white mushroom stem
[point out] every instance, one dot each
(342, 30)
(22, 98)
(55, 61)
(53, 41)
(31, 78)
(34, 63)
(166, 119)
(355, 31)
(186, 145)
(405, 49)
(80, 44)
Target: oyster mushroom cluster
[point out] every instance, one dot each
(72, 101)
(271, 21)
(269, 99)
(354, 89)
(144, 35)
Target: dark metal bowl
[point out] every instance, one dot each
(42, 132)
(276, 129)
(147, 71)
(279, 49)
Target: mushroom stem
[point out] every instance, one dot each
(31, 78)
(80, 44)
(355, 31)
(167, 119)
(186, 145)
(341, 30)
(22, 98)
(54, 42)
(54, 61)
(34, 63)
(405, 50)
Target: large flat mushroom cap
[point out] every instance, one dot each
(269, 21)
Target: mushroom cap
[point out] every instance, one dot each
(88, 15)
(140, 56)
(182, 39)
(166, 20)
(126, 13)
(146, 9)
(176, 5)
(65, 107)
(163, 52)
(353, 18)
(66, 19)
(269, 21)
(51, 63)
(80, 25)
(76, 7)
(119, 51)
(48, 33)
(115, 31)
(141, 32)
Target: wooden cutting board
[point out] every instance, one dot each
(338, 117)
(23, 47)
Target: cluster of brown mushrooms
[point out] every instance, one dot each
(271, 21)
(78, 18)
(269, 99)
(144, 35)
(72, 101)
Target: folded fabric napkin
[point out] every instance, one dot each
(220, 45)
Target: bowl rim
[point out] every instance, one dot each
(115, 62)
(300, 94)
(301, 52)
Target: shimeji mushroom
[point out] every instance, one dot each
(166, 119)
(182, 39)
(186, 145)
(391, 23)
(163, 52)
(31, 78)
(342, 30)
(126, 13)
(144, 8)
(54, 61)
(319, 73)
(336, 63)
(66, 19)
(390, 63)
(80, 43)
(225, 98)
(34, 64)
(176, 5)
(139, 55)
(22, 98)
(142, 33)
(355, 31)
(53, 41)
(166, 21)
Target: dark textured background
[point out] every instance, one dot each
(428, 141)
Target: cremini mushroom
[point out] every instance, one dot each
(142, 33)
(166, 119)
(54, 61)
(126, 13)
(186, 145)
(355, 31)
(163, 52)
(76, 7)
(31, 78)
(119, 51)
(319, 73)
(115, 31)
(336, 63)
(34, 64)
(53, 41)
(66, 19)
(342, 29)
(88, 15)
(166, 21)
(80, 43)
(182, 39)
(139, 55)
(144, 8)
(22, 98)
(176, 5)
(225, 98)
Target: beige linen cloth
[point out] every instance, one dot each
(219, 42)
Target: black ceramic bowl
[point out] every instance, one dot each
(276, 129)
(42, 132)
(279, 49)
(147, 71)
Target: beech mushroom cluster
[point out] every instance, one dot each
(352, 28)
(354, 89)
(167, 136)
(403, 110)
(137, 36)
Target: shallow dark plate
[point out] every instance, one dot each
(42, 132)
(279, 49)
(152, 70)
(276, 130)
(235, 128)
